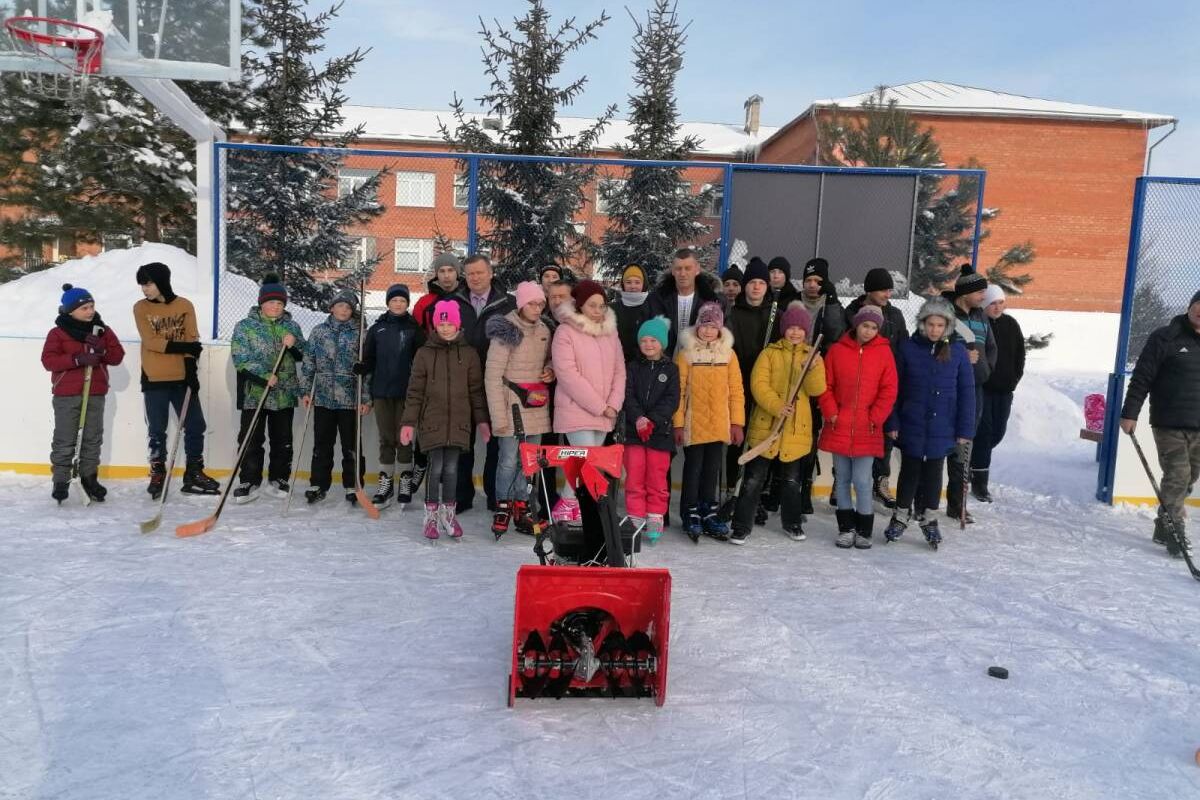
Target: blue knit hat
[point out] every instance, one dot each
(73, 297)
(658, 327)
(272, 289)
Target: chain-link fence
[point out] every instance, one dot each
(1160, 278)
(396, 210)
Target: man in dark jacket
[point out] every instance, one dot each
(391, 342)
(680, 294)
(780, 272)
(446, 284)
(731, 281)
(754, 323)
(1168, 371)
(967, 299)
(997, 390)
(877, 291)
(632, 308)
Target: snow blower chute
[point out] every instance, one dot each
(586, 623)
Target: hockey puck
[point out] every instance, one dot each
(998, 672)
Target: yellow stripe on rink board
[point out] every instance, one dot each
(1151, 501)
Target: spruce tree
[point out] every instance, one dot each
(880, 134)
(652, 212)
(286, 214)
(530, 207)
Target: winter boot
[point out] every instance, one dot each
(883, 495)
(895, 528)
(864, 530)
(846, 528)
(418, 477)
(315, 494)
(93, 488)
(60, 491)
(194, 479)
(501, 518)
(654, 527)
(405, 487)
(929, 527)
(431, 520)
(795, 532)
(158, 476)
(245, 493)
(383, 489)
(761, 516)
(448, 520)
(712, 524)
(806, 506)
(351, 497)
(739, 536)
(979, 485)
(693, 523)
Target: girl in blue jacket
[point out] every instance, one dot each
(935, 413)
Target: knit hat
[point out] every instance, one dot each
(446, 260)
(1195, 299)
(877, 280)
(868, 313)
(992, 294)
(733, 273)
(272, 289)
(447, 311)
(73, 297)
(555, 268)
(756, 270)
(347, 296)
(936, 307)
(635, 270)
(397, 290)
(781, 263)
(817, 266)
(658, 327)
(795, 316)
(528, 292)
(584, 290)
(160, 275)
(710, 314)
(969, 281)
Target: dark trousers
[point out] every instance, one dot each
(442, 480)
(956, 470)
(920, 485)
(883, 466)
(158, 404)
(752, 487)
(993, 424)
(810, 460)
(330, 424)
(701, 471)
(466, 470)
(278, 425)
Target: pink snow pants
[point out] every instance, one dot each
(647, 477)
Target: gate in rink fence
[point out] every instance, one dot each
(857, 218)
(1161, 275)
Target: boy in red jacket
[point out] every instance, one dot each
(79, 346)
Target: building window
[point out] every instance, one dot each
(609, 186)
(362, 251)
(349, 180)
(413, 255)
(716, 200)
(116, 241)
(462, 191)
(415, 189)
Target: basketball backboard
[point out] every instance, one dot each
(166, 39)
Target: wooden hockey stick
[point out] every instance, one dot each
(151, 525)
(308, 412)
(780, 421)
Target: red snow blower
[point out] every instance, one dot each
(587, 624)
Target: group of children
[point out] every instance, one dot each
(570, 371)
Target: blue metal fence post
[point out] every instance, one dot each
(978, 222)
(726, 215)
(472, 201)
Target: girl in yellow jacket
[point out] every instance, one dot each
(776, 370)
(711, 414)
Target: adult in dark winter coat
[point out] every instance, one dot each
(973, 329)
(632, 307)
(997, 390)
(731, 283)
(1168, 371)
(877, 291)
(935, 412)
(754, 322)
(681, 293)
(779, 270)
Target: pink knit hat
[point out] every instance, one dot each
(795, 316)
(447, 311)
(528, 292)
(710, 314)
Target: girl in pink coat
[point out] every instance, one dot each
(590, 370)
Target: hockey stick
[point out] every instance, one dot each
(359, 494)
(1176, 531)
(208, 523)
(964, 456)
(151, 525)
(308, 412)
(777, 428)
(87, 392)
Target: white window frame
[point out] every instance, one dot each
(362, 252)
(416, 189)
(716, 201)
(462, 183)
(601, 203)
(421, 249)
(349, 180)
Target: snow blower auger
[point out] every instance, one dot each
(585, 623)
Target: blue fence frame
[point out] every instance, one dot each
(472, 160)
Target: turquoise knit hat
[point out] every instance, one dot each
(658, 327)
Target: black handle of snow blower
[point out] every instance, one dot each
(531, 485)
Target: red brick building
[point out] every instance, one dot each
(1062, 175)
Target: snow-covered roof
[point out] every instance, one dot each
(938, 97)
(422, 125)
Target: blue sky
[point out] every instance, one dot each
(1139, 56)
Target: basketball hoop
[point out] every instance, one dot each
(74, 47)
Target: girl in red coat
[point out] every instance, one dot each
(78, 347)
(860, 373)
